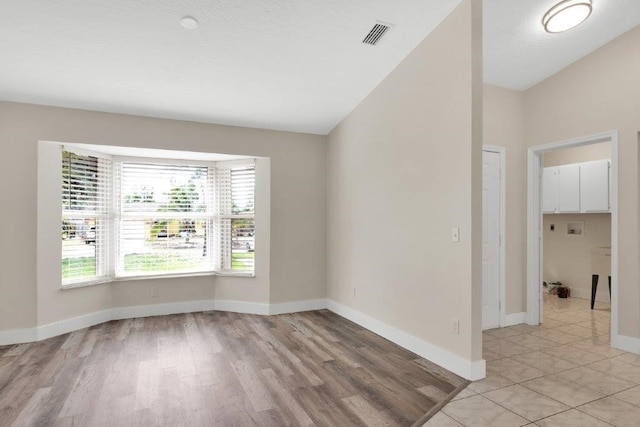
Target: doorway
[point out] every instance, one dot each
(535, 223)
(493, 224)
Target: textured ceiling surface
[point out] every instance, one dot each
(518, 53)
(275, 64)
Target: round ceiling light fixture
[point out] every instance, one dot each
(566, 15)
(189, 22)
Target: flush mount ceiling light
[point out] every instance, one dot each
(189, 22)
(566, 15)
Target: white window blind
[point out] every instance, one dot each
(131, 217)
(86, 201)
(236, 220)
(164, 218)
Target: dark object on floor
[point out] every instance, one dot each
(552, 287)
(594, 288)
(564, 292)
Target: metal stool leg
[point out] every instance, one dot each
(594, 287)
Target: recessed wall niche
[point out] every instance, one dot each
(575, 228)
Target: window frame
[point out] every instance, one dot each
(230, 165)
(112, 246)
(120, 215)
(104, 250)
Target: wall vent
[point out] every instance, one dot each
(376, 33)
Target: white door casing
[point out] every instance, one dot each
(491, 220)
(534, 228)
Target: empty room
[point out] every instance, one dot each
(321, 213)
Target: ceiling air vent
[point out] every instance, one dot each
(376, 33)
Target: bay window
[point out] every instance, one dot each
(133, 217)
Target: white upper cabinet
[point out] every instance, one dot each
(568, 180)
(594, 186)
(549, 185)
(575, 188)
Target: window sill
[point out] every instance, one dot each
(156, 276)
(164, 276)
(229, 273)
(94, 282)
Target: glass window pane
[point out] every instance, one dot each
(163, 188)
(242, 244)
(81, 187)
(78, 249)
(158, 246)
(243, 181)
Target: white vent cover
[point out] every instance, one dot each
(376, 33)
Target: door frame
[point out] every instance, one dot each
(501, 151)
(534, 224)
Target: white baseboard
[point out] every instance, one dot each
(242, 307)
(298, 306)
(465, 368)
(454, 363)
(623, 342)
(514, 319)
(118, 313)
(18, 336)
(69, 325)
(601, 296)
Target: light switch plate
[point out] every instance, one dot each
(455, 234)
(455, 327)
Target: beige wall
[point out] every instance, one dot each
(297, 215)
(584, 153)
(503, 115)
(404, 168)
(599, 93)
(567, 258)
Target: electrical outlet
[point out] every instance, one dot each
(455, 327)
(155, 292)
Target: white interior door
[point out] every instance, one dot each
(490, 240)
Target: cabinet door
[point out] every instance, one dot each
(594, 186)
(549, 195)
(568, 178)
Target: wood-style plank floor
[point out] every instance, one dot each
(219, 368)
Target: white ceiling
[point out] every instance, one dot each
(518, 53)
(275, 64)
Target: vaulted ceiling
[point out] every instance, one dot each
(275, 64)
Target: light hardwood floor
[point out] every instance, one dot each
(218, 368)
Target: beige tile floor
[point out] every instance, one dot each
(560, 373)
